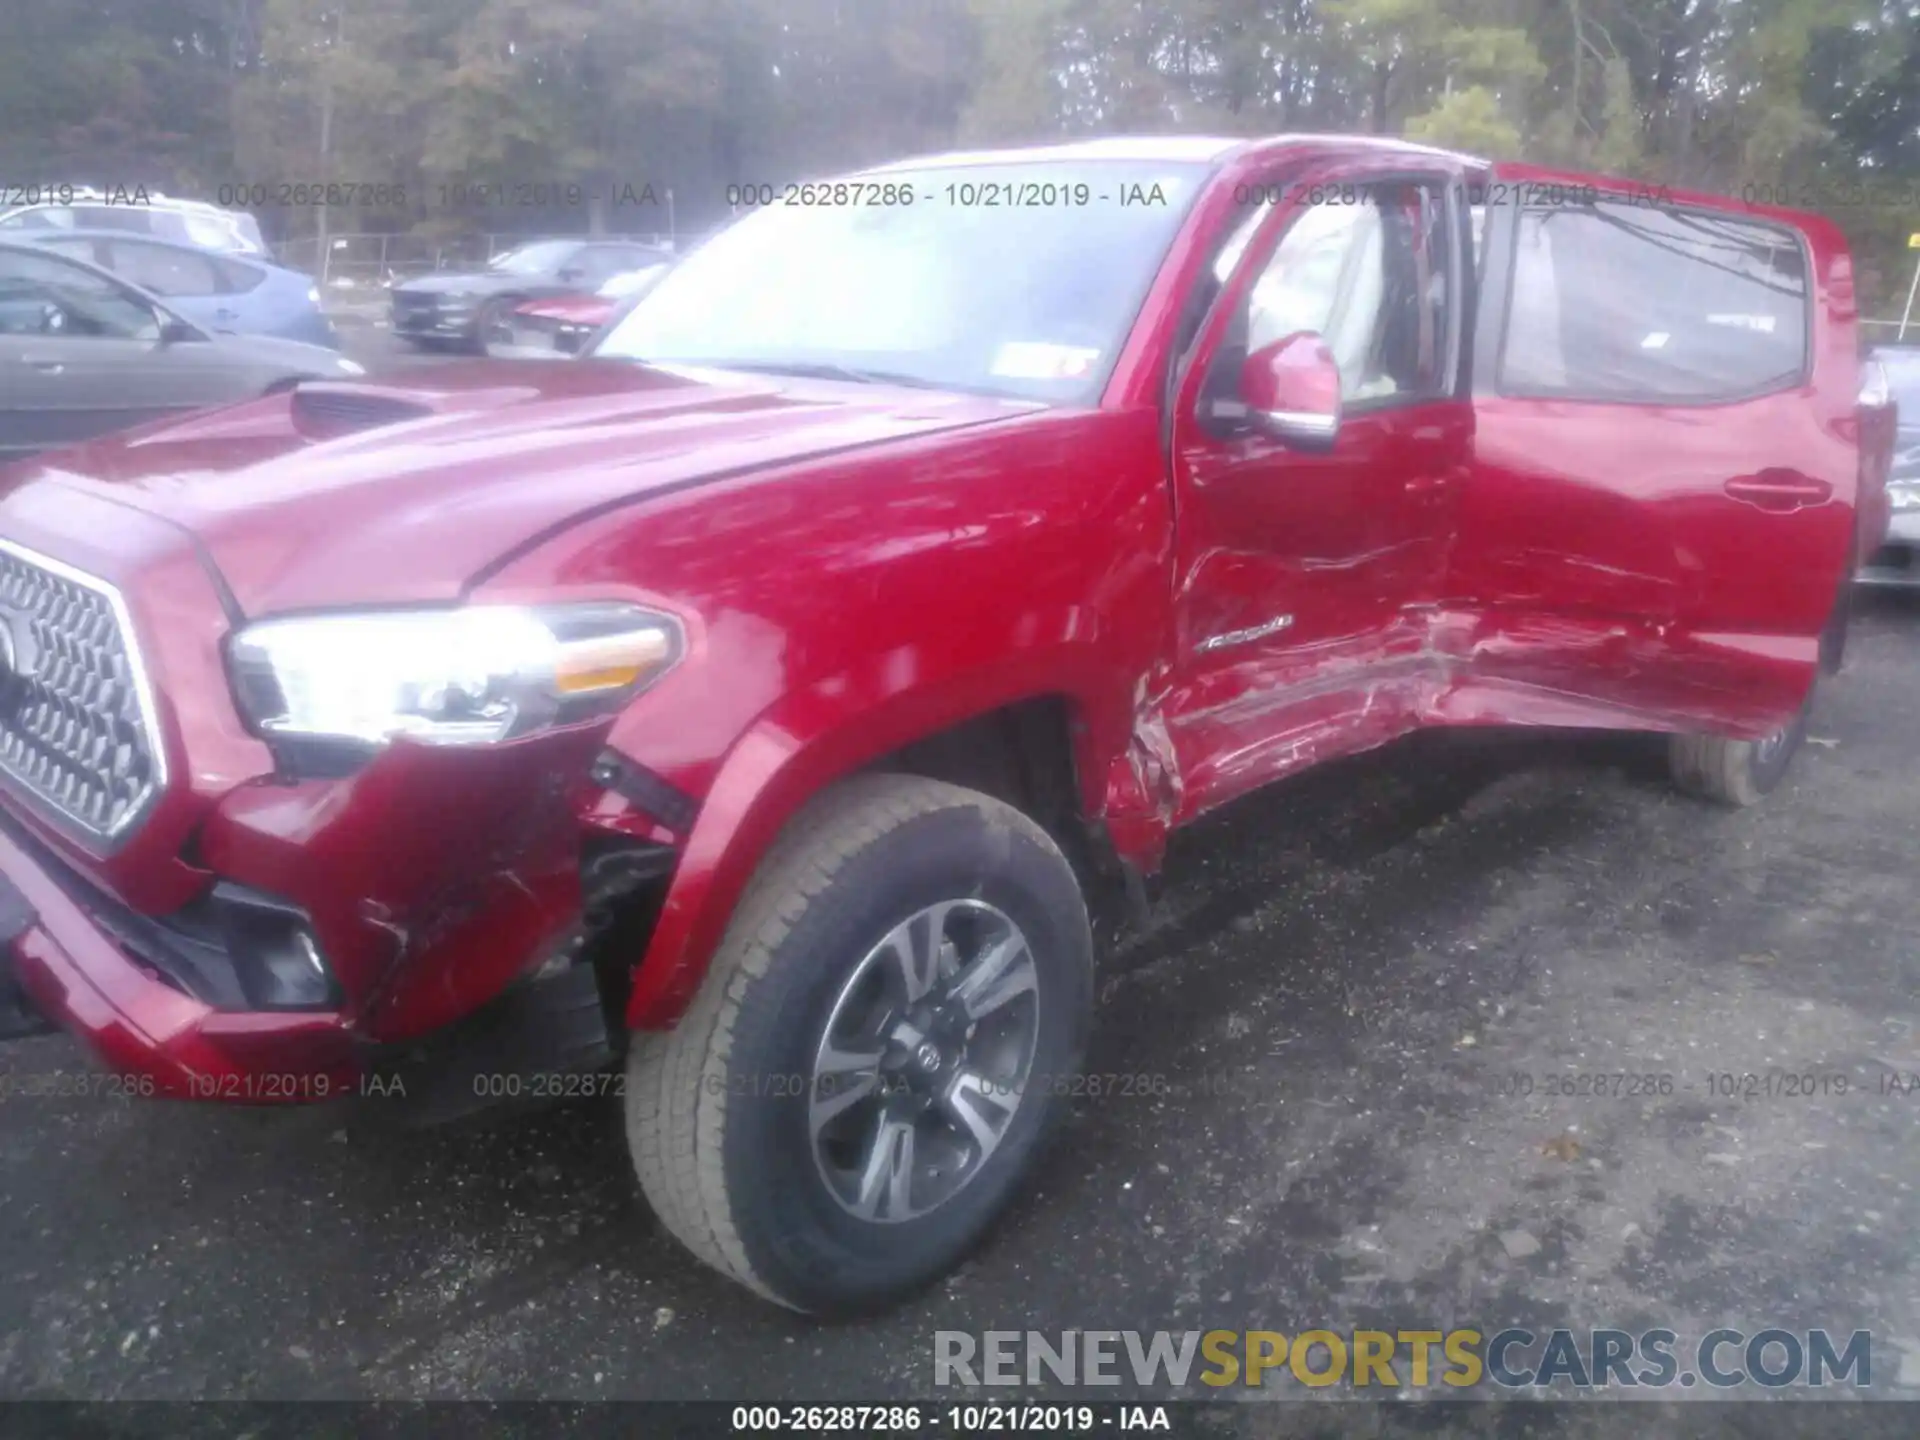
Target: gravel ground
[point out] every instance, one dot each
(1352, 983)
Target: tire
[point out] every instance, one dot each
(720, 1110)
(1736, 772)
(493, 315)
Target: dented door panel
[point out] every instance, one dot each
(1300, 577)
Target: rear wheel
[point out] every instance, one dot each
(1736, 772)
(878, 1050)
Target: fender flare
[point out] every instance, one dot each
(805, 744)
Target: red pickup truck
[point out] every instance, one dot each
(773, 702)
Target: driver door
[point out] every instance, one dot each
(80, 356)
(1307, 573)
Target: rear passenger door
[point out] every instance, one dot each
(1656, 523)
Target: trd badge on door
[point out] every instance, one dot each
(1247, 636)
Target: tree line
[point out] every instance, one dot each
(512, 115)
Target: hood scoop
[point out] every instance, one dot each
(324, 411)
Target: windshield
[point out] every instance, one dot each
(1017, 280)
(631, 282)
(543, 257)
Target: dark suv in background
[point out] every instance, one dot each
(464, 308)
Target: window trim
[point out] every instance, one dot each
(99, 274)
(1507, 245)
(1455, 389)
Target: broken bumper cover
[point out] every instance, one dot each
(77, 975)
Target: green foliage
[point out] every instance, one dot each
(1468, 120)
(695, 95)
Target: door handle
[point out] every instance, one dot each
(1784, 490)
(49, 367)
(1421, 486)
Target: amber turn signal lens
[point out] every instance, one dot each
(610, 662)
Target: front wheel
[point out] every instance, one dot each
(888, 1031)
(1736, 772)
(494, 325)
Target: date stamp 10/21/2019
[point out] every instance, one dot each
(1770, 1083)
(1818, 1084)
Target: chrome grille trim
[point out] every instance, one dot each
(58, 745)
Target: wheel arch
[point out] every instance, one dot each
(1046, 750)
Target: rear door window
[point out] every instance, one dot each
(134, 219)
(44, 295)
(41, 217)
(1628, 302)
(164, 270)
(78, 248)
(237, 277)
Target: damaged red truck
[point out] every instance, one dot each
(772, 702)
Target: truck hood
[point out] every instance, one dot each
(345, 493)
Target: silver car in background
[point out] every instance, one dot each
(83, 353)
(1898, 561)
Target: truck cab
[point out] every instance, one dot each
(767, 706)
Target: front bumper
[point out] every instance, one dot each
(1896, 563)
(545, 337)
(436, 321)
(78, 976)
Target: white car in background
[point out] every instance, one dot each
(163, 217)
(1897, 562)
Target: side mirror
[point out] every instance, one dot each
(1292, 391)
(175, 331)
(573, 272)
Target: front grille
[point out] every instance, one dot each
(77, 730)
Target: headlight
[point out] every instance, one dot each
(472, 676)
(313, 294)
(1905, 494)
(350, 367)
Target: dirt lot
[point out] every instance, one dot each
(1353, 981)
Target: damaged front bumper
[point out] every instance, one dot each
(471, 983)
(142, 1023)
